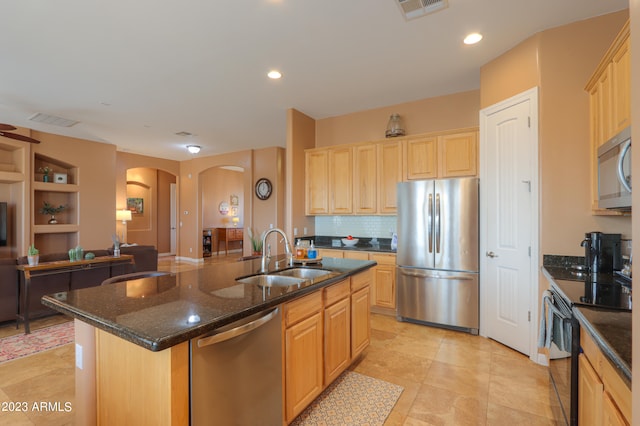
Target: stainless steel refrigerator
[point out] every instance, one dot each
(437, 274)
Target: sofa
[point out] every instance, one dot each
(145, 257)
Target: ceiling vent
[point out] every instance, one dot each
(52, 119)
(412, 9)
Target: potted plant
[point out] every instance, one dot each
(52, 211)
(45, 173)
(256, 241)
(33, 255)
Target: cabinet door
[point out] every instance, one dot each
(457, 154)
(590, 391)
(611, 416)
(383, 287)
(317, 182)
(337, 339)
(365, 168)
(341, 180)
(421, 158)
(621, 87)
(303, 364)
(389, 174)
(604, 105)
(360, 321)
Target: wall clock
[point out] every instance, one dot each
(263, 188)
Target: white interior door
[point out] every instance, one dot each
(509, 217)
(173, 217)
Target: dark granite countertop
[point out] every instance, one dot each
(153, 312)
(382, 245)
(610, 328)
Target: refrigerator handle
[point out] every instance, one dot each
(437, 223)
(429, 223)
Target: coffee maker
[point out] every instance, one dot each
(602, 252)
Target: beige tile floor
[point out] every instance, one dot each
(449, 377)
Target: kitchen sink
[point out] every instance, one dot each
(304, 273)
(272, 280)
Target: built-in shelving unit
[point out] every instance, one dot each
(65, 190)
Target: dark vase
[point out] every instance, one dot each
(45, 178)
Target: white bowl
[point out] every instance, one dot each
(350, 243)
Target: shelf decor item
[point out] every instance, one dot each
(52, 211)
(45, 173)
(33, 255)
(60, 178)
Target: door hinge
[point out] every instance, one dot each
(529, 122)
(529, 315)
(529, 251)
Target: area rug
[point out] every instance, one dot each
(353, 399)
(22, 345)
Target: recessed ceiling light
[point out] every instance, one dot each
(274, 74)
(473, 38)
(194, 149)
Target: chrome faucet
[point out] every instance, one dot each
(266, 253)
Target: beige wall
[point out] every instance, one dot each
(97, 176)
(560, 61)
(217, 186)
(269, 163)
(453, 111)
(301, 131)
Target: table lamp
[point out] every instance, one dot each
(125, 216)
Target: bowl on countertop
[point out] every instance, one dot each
(350, 242)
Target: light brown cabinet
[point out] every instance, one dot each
(337, 330)
(389, 174)
(365, 179)
(445, 155)
(303, 353)
(360, 312)
(609, 91)
(603, 397)
(362, 178)
(383, 289)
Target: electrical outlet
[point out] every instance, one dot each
(190, 250)
(305, 231)
(295, 231)
(271, 226)
(79, 356)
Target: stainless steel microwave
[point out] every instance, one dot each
(614, 172)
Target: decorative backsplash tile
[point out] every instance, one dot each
(358, 226)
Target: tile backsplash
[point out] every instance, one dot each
(358, 226)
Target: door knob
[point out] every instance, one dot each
(491, 254)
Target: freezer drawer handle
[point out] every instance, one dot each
(237, 331)
(439, 277)
(491, 254)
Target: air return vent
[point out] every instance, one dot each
(52, 119)
(412, 9)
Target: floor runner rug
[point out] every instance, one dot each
(353, 399)
(22, 345)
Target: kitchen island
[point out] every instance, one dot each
(136, 367)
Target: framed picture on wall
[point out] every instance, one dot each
(234, 200)
(136, 205)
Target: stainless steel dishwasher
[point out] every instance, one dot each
(236, 373)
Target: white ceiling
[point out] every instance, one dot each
(134, 73)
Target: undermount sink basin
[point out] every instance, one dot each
(272, 280)
(304, 273)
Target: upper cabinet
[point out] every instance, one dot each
(609, 91)
(362, 178)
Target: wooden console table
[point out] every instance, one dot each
(108, 266)
(228, 235)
